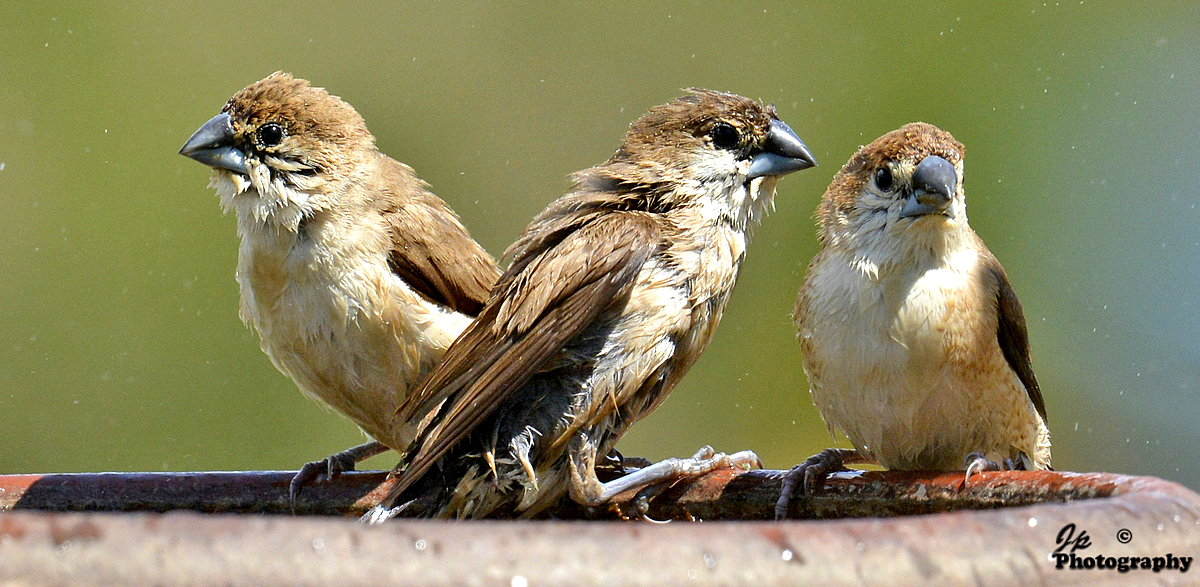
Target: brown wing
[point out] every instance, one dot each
(549, 296)
(1012, 335)
(440, 260)
(431, 250)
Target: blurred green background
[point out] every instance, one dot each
(120, 345)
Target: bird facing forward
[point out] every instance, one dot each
(914, 342)
(612, 294)
(355, 277)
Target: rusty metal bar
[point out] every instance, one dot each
(721, 495)
(252, 492)
(1005, 546)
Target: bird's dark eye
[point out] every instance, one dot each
(270, 134)
(724, 136)
(883, 178)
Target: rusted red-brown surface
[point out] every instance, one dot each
(999, 529)
(723, 495)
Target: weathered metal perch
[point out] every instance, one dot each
(722, 495)
(1001, 529)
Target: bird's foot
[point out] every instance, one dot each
(330, 467)
(810, 475)
(977, 463)
(653, 479)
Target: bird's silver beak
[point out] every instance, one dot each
(934, 183)
(212, 145)
(783, 153)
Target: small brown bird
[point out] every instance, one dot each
(613, 293)
(914, 342)
(355, 277)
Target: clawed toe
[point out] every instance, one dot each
(810, 475)
(653, 479)
(325, 469)
(330, 467)
(977, 463)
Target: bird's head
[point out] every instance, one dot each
(709, 142)
(280, 149)
(905, 187)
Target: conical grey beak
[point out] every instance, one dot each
(212, 145)
(783, 153)
(934, 183)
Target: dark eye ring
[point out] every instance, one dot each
(724, 136)
(883, 178)
(270, 134)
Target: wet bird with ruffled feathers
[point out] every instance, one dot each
(613, 293)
